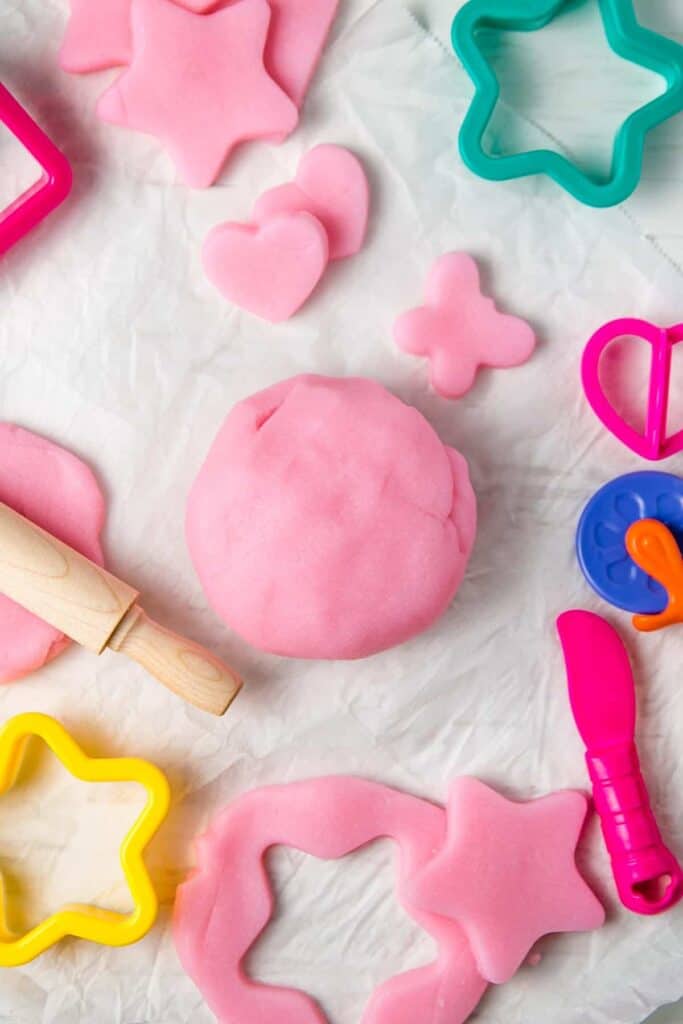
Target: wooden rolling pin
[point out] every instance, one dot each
(97, 610)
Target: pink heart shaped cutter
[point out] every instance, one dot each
(653, 444)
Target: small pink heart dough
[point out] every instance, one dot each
(54, 489)
(329, 520)
(269, 269)
(332, 185)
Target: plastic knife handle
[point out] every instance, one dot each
(603, 702)
(648, 877)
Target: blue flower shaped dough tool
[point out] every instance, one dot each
(601, 538)
(625, 35)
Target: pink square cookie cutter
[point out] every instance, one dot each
(51, 189)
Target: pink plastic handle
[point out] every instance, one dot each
(653, 444)
(603, 701)
(52, 188)
(648, 877)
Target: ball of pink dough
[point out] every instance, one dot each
(54, 489)
(329, 520)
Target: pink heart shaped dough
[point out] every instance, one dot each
(269, 269)
(332, 185)
(57, 491)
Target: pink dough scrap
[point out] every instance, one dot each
(460, 330)
(296, 41)
(270, 269)
(507, 874)
(332, 185)
(225, 905)
(98, 36)
(329, 520)
(199, 84)
(58, 492)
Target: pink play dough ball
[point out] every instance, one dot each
(329, 520)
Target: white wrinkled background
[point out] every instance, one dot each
(113, 344)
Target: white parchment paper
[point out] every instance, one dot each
(114, 344)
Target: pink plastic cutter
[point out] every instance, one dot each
(51, 189)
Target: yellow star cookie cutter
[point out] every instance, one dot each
(83, 921)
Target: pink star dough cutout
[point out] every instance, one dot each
(199, 84)
(459, 330)
(507, 874)
(227, 902)
(99, 35)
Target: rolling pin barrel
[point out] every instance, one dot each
(97, 610)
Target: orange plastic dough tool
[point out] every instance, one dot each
(653, 547)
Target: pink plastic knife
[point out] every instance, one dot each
(602, 696)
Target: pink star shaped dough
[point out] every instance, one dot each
(199, 84)
(99, 36)
(507, 874)
(458, 329)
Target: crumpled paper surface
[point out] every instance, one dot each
(115, 345)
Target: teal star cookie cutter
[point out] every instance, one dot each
(627, 38)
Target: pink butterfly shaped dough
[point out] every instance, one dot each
(459, 330)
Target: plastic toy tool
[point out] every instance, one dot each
(602, 695)
(626, 37)
(653, 548)
(51, 189)
(601, 547)
(654, 444)
(82, 921)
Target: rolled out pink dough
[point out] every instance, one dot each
(57, 491)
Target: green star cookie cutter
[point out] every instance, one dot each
(627, 38)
